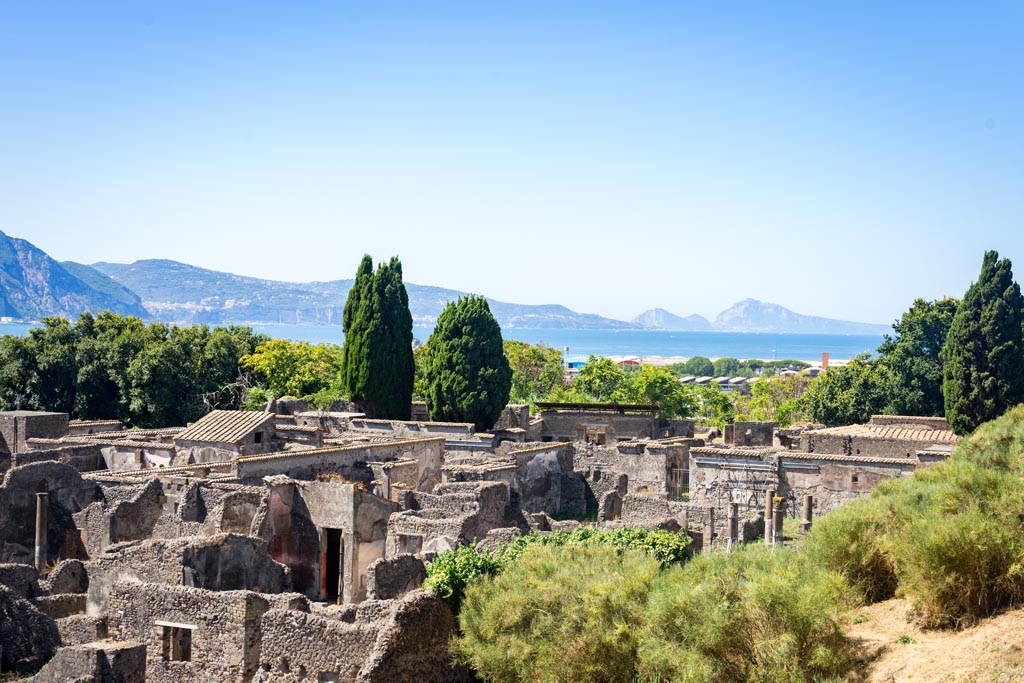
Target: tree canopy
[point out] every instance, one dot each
(110, 366)
(536, 370)
(468, 377)
(913, 356)
(378, 368)
(983, 359)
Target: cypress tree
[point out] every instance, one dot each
(356, 319)
(983, 358)
(468, 375)
(391, 365)
(378, 366)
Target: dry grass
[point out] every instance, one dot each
(990, 652)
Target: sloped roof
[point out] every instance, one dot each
(225, 426)
(907, 432)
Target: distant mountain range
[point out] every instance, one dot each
(660, 319)
(751, 315)
(33, 285)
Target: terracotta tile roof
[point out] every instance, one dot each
(903, 431)
(796, 455)
(225, 426)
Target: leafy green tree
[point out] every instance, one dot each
(727, 367)
(983, 358)
(16, 367)
(715, 409)
(468, 376)
(698, 366)
(378, 368)
(913, 356)
(848, 394)
(776, 399)
(52, 383)
(602, 379)
(295, 368)
(658, 386)
(536, 370)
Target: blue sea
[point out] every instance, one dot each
(579, 344)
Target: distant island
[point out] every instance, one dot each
(34, 285)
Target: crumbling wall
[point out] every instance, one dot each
(455, 514)
(387, 579)
(308, 464)
(95, 662)
(546, 481)
(834, 481)
(377, 642)
(68, 494)
(225, 562)
(224, 629)
(28, 638)
(751, 433)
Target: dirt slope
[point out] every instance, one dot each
(992, 651)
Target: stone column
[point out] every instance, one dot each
(768, 502)
(709, 529)
(42, 525)
(777, 519)
(734, 525)
(805, 524)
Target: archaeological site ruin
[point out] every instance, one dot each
(290, 545)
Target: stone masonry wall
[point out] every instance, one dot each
(225, 629)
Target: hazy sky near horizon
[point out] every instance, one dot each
(840, 159)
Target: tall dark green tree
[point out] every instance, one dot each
(392, 367)
(356, 319)
(983, 359)
(468, 376)
(378, 367)
(913, 356)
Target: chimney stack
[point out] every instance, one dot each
(824, 360)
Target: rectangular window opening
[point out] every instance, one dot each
(177, 642)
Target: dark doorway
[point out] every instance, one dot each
(332, 564)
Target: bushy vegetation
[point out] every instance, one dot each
(588, 613)
(537, 370)
(556, 615)
(110, 366)
(750, 615)
(949, 538)
(451, 572)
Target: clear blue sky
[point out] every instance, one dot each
(839, 160)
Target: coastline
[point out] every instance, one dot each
(657, 347)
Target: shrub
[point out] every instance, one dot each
(451, 572)
(950, 538)
(958, 568)
(558, 615)
(744, 616)
(667, 547)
